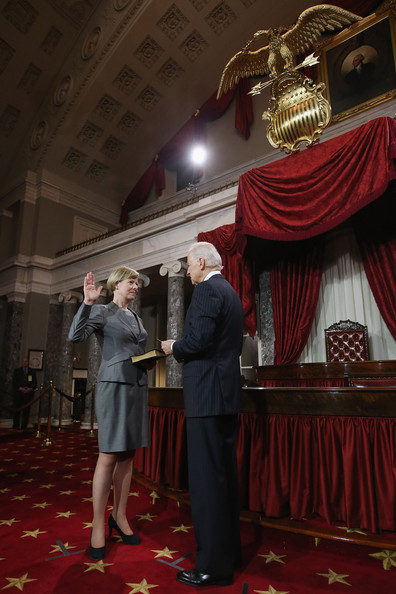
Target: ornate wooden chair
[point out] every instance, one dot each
(346, 341)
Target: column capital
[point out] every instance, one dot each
(144, 280)
(70, 297)
(174, 268)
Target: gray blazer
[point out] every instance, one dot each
(118, 341)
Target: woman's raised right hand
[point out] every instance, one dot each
(91, 293)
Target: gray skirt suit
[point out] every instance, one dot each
(121, 396)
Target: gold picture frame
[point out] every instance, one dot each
(36, 359)
(358, 66)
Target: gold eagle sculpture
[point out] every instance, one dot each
(284, 44)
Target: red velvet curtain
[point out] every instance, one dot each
(315, 190)
(375, 229)
(341, 469)
(295, 281)
(237, 269)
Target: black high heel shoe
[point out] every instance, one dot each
(129, 539)
(96, 553)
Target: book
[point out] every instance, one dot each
(152, 355)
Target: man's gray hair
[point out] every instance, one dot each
(207, 251)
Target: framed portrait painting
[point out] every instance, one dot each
(358, 66)
(36, 359)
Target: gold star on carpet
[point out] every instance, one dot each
(70, 476)
(65, 514)
(317, 540)
(87, 525)
(181, 528)
(86, 499)
(33, 533)
(18, 582)
(148, 517)
(66, 492)
(35, 467)
(334, 577)
(85, 482)
(8, 522)
(20, 497)
(387, 557)
(50, 471)
(99, 565)
(5, 490)
(154, 495)
(273, 557)
(85, 467)
(42, 505)
(351, 530)
(164, 553)
(58, 549)
(270, 590)
(69, 464)
(28, 480)
(134, 494)
(143, 587)
(14, 474)
(46, 486)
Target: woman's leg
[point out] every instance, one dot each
(101, 485)
(122, 481)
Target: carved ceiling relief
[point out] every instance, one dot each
(90, 133)
(220, 18)
(173, 22)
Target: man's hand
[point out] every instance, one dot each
(166, 346)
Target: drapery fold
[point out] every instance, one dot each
(237, 269)
(296, 274)
(308, 193)
(375, 231)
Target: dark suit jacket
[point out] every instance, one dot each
(20, 380)
(210, 350)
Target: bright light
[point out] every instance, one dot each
(198, 155)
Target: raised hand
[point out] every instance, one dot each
(91, 293)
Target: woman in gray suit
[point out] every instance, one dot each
(121, 403)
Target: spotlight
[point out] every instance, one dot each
(198, 155)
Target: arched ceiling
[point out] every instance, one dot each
(91, 90)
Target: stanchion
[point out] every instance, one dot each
(60, 411)
(48, 441)
(38, 432)
(92, 432)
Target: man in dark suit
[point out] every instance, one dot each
(24, 382)
(210, 353)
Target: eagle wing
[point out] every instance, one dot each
(244, 64)
(313, 22)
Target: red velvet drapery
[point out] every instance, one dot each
(315, 190)
(298, 198)
(375, 231)
(237, 270)
(339, 468)
(295, 283)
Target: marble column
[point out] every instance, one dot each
(176, 271)
(266, 322)
(64, 382)
(53, 351)
(94, 358)
(12, 355)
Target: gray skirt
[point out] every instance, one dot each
(122, 416)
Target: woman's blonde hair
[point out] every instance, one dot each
(119, 274)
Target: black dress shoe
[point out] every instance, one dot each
(196, 578)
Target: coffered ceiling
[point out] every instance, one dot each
(91, 90)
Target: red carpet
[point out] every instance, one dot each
(45, 518)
